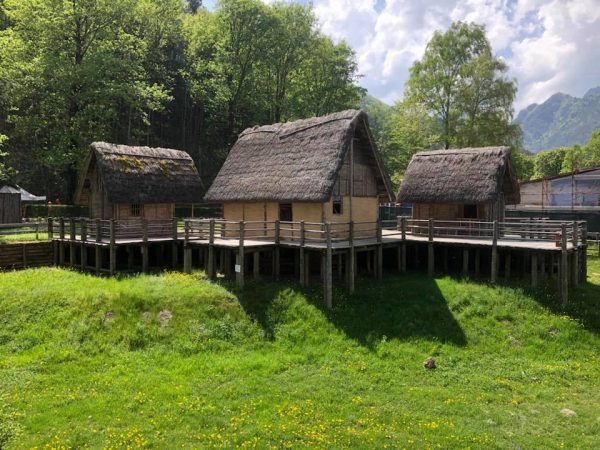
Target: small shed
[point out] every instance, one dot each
(26, 197)
(122, 182)
(10, 207)
(322, 169)
(457, 184)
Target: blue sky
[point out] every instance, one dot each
(550, 45)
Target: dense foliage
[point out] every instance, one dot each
(562, 120)
(156, 72)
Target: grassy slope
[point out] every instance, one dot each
(269, 367)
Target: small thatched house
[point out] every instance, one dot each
(468, 183)
(318, 170)
(121, 182)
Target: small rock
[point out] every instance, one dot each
(108, 317)
(513, 341)
(164, 317)
(146, 316)
(429, 363)
(568, 412)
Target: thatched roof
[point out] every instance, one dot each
(296, 161)
(468, 175)
(26, 197)
(142, 174)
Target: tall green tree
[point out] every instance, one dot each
(465, 88)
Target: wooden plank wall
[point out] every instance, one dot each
(31, 254)
(10, 208)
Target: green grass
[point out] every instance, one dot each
(23, 237)
(269, 367)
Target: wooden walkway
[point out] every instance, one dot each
(226, 246)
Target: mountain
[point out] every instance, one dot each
(562, 120)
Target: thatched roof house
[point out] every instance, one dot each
(472, 183)
(310, 161)
(120, 181)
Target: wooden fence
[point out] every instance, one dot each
(10, 207)
(30, 254)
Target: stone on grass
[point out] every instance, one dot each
(568, 412)
(429, 363)
(108, 317)
(164, 317)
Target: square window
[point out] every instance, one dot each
(136, 210)
(337, 207)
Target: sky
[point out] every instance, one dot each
(549, 45)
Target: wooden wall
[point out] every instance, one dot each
(32, 254)
(147, 211)
(454, 211)
(10, 208)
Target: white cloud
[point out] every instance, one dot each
(549, 45)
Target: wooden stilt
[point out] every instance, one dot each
(575, 255)
(129, 250)
(339, 265)
(83, 248)
(302, 267)
(276, 255)
(351, 266)
(187, 251)
(542, 265)
(507, 265)
(240, 258)
(98, 259)
(494, 268)
(465, 265)
(445, 259)
(583, 256)
(477, 262)
(306, 268)
(174, 246)
(328, 269)
(146, 249)
(210, 264)
(430, 249)
(112, 249)
(379, 251)
(564, 267)
(403, 245)
(534, 270)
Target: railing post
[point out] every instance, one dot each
(379, 249)
(239, 267)
(98, 230)
(302, 262)
(430, 249)
(37, 230)
(61, 244)
(174, 246)
(83, 255)
(61, 227)
(575, 257)
(210, 270)
(276, 256)
(145, 249)
(50, 228)
(403, 227)
(494, 271)
(72, 241)
(328, 268)
(98, 249)
(564, 266)
(187, 252)
(584, 245)
(351, 264)
(112, 248)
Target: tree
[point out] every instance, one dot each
(464, 87)
(549, 163)
(591, 151)
(6, 172)
(410, 130)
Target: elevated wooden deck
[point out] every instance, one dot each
(565, 240)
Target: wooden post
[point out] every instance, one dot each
(379, 250)
(276, 256)
(174, 245)
(256, 264)
(477, 262)
(145, 248)
(465, 268)
(72, 237)
(98, 230)
(98, 259)
(187, 250)
(430, 249)
(301, 264)
(61, 246)
(575, 257)
(403, 245)
(129, 257)
(240, 258)
(211, 249)
(584, 246)
(446, 268)
(328, 269)
(494, 276)
(50, 228)
(112, 249)
(351, 266)
(83, 254)
(564, 266)
(507, 264)
(534, 270)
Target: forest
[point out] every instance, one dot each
(172, 73)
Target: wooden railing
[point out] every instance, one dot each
(24, 231)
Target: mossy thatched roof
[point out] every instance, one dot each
(467, 175)
(295, 161)
(143, 174)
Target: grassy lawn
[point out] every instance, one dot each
(91, 362)
(23, 237)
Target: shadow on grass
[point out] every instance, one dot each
(405, 307)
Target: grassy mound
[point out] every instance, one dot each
(173, 360)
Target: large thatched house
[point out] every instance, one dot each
(323, 169)
(468, 183)
(121, 182)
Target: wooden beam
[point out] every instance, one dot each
(328, 269)
(239, 275)
(534, 270)
(351, 265)
(276, 255)
(465, 264)
(112, 248)
(256, 264)
(145, 249)
(210, 264)
(564, 267)
(494, 268)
